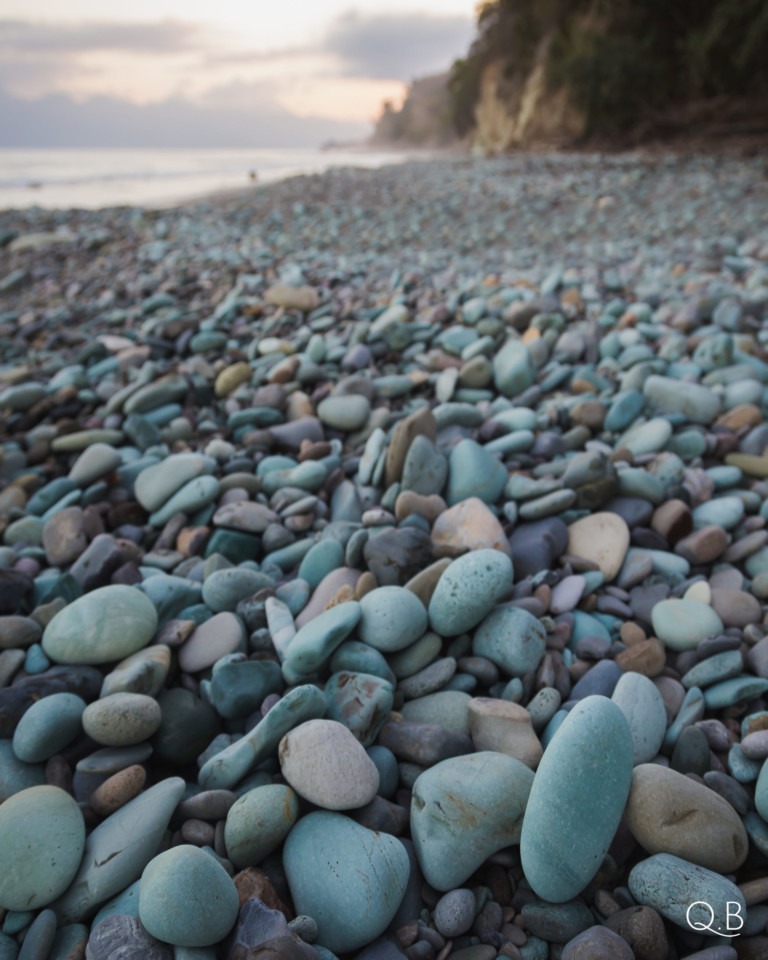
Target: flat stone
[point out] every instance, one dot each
(464, 810)
(577, 800)
(683, 624)
(316, 641)
(685, 893)
(93, 463)
(602, 538)
(391, 619)
(221, 635)
(474, 472)
(537, 546)
(187, 898)
(64, 536)
(102, 626)
(356, 883)
(224, 589)
(346, 413)
(326, 764)
(504, 727)
(156, 484)
(118, 849)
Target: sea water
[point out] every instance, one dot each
(93, 178)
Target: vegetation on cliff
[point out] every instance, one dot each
(620, 65)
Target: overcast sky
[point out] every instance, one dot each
(85, 67)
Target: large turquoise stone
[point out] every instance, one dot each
(349, 879)
(577, 799)
(465, 809)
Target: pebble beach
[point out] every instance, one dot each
(384, 567)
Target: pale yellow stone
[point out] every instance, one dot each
(504, 727)
(699, 591)
(231, 377)
(602, 538)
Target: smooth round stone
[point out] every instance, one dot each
(142, 672)
(187, 726)
(94, 462)
(468, 590)
(258, 822)
(683, 624)
(42, 837)
(513, 368)
(224, 589)
(48, 726)
(361, 702)
(102, 626)
(122, 719)
(446, 708)
(454, 912)
(639, 700)
(695, 402)
(325, 764)
(465, 809)
(602, 538)
(511, 638)
(156, 484)
(669, 812)
(391, 619)
(221, 635)
(577, 800)
(316, 641)
(648, 437)
(347, 413)
(474, 472)
(187, 898)
(685, 893)
(349, 879)
(725, 512)
(193, 496)
(324, 557)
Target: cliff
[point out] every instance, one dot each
(607, 72)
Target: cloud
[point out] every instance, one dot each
(397, 46)
(150, 37)
(58, 121)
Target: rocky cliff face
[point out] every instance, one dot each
(520, 111)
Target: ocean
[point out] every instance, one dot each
(155, 178)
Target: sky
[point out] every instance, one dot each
(253, 72)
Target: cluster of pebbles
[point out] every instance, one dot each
(384, 568)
